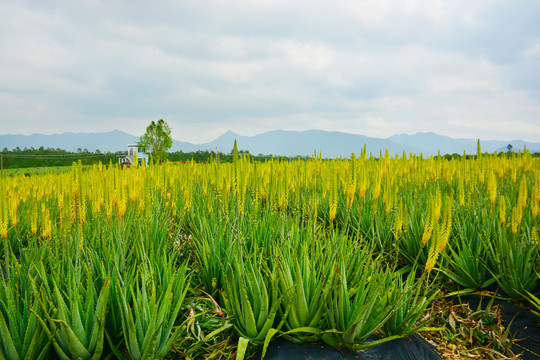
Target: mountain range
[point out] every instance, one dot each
(277, 142)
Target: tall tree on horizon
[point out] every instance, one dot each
(157, 140)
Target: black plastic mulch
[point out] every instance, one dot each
(413, 348)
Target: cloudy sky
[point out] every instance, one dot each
(462, 68)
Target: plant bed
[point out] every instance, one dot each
(216, 260)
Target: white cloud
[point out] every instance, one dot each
(497, 129)
(370, 67)
(308, 56)
(533, 51)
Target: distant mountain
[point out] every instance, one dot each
(112, 141)
(115, 140)
(184, 146)
(304, 143)
(278, 142)
(431, 143)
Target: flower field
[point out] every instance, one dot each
(211, 260)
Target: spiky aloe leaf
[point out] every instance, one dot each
(148, 322)
(21, 334)
(128, 327)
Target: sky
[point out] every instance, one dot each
(461, 68)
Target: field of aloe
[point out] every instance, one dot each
(214, 260)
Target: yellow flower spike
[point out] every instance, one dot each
(492, 189)
(534, 235)
(376, 188)
(429, 223)
(433, 254)
(332, 201)
(399, 219)
(446, 226)
(74, 206)
(13, 206)
(522, 197)
(481, 178)
(174, 210)
(536, 189)
(364, 185)
(187, 195)
(437, 205)
(513, 174)
(122, 202)
(34, 221)
(502, 210)
(4, 220)
(47, 225)
(516, 219)
(461, 192)
(81, 211)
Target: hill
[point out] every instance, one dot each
(331, 144)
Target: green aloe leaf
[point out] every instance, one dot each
(149, 320)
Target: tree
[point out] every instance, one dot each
(157, 140)
(509, 147)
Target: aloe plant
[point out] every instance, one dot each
(414, 297)
(148, 320)
(410, 245)
(21, 332)
(75, 318)
(358, 310)
(251, 301)
(305, 282)
(515, 265)
(467, 258)
(213, 242)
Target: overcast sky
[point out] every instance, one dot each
(462, 68)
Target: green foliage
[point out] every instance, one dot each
(467, 258)
(20, 161)
(21, 332)
(515, 262)
(417, 297)
(361, 301)
(251, 295)
(75, 315)
(157, 140)
(149, 318)
(305, 279)
(535, 301)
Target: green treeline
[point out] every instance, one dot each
(47, 157)
(210, 156)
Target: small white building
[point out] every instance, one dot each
(133, 153)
